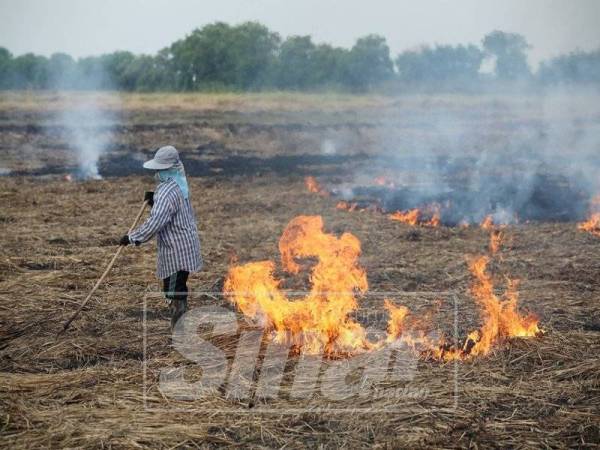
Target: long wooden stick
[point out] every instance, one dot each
(101, 279)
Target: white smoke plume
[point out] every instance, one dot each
(88, 127)
(529, 157)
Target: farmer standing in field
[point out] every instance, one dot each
(173, 220)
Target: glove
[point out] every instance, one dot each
(149, 197)
(125, 241)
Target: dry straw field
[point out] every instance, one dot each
(247, 156)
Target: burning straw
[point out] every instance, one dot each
(592, 224)
(321, 322)
(88, 388)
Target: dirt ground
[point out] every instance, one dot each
(98, 385)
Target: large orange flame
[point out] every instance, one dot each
(321, 321)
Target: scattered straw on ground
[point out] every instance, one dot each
(86, 388)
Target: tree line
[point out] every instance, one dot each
(249, 56)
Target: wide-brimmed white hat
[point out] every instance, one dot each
(165, 158)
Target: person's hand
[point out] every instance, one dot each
(149, 197)
(125, 241)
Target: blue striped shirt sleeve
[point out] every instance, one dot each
(161, 213)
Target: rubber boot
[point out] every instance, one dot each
(178, 308)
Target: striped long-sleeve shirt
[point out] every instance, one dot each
(173, 220)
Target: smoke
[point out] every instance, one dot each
(88, 129)
(328, 147)
(515, 157)
(88, 119)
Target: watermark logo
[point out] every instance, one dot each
(220, 358)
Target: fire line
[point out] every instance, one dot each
(321, 322)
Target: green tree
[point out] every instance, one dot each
(295, 68)
(30, 71)
(253, 51)
(221, 55)
(443, 63)
(203, 57)
(509, 51)
(115, 68)
(109, 71)
(576, 67)
(92, 74)
(62, 71)
(147, 73)
(303, 65)
(368, 63)
(329, 65)
(6, 79)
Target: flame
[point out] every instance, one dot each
(500, 318)
(487, 223)
(313, 186)
(354, 206)
(434, 221)
(592, 225)
(501, 321)
(410, 217)
(346, 206)
(321, 321)
(383, 180)
(396, 321)
(496, 239)
(496, 234)
(413, 216)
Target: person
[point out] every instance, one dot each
(173, 221)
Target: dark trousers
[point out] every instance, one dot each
(175, 289)
(175, 285)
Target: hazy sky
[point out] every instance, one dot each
(92, 27)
